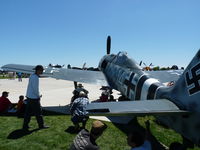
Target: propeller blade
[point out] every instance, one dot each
(108, 44)
(140, 63)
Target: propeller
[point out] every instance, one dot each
(108, 44)
(140, 64)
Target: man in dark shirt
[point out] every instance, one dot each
(5, 103)
(85, 140)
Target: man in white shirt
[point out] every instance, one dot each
(33, 100)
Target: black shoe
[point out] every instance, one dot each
(44, 127)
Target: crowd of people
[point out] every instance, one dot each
(85, 139)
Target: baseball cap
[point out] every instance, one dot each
(79, 85)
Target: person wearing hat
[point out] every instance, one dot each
(77, 90)
(80, 87)
(78, 111)
(5, 103)
(86, 140)
(33, 100)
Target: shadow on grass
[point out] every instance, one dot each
(20, 133)
(72, 130)
(133, 125)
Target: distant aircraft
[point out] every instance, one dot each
(177, 106)
(147, 68)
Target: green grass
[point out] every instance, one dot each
(2, 77)
(56, 138)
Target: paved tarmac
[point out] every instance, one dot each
(54, 92)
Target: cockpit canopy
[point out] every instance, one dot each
(120, 59)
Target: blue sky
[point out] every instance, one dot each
(162, 32)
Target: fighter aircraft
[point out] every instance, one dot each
(177, 106)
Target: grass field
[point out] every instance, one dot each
(57, 138)
(2, 77)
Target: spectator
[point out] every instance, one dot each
(81, 88)
(5, 103)
(33, 100)
(137, 141)
(104, 96)
(76, 92)
(19, 74)
(111, 99)
(21, 106)
(86, 140)
(78, 110)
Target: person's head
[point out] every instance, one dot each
(39, 69)
(176, 146)
(97, 129)
(21, 97)
(82, 94)
(80, 85)
(104, 93)
(135, 139)
(5, 94)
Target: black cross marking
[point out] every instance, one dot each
(194, 80)
(129, 84)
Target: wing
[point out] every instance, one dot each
(133, 108)
(124, 112)
(165, 76)
(19, 68)
(85, 76)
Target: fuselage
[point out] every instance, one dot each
(124, 75)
